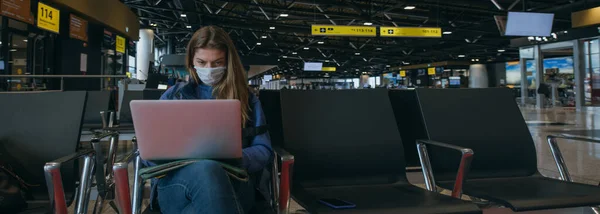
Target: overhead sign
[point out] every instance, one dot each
(402, 73)
(17, 9)
(411, 32)
(431, 71)
(78, 28)
(48, 18)
(336, 30)
(329, 69)
(120, 44)
(313, 66)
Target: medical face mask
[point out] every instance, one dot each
(210, 76)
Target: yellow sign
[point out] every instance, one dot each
(410, 32)
(120, 44)
(328, 69)
(335, 30)
(48, 18)
(431, 71)
(403, 73)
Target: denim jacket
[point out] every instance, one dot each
(257, 151)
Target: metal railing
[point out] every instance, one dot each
(62, 77)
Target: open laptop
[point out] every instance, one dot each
(188, 129)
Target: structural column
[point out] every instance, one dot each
(539, 74)
(579, 70)
(145, 49)
(524, 86)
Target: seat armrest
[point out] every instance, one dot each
(121, 178)
(282, 188)
(557, 154)
(55, 186)
(463, 168)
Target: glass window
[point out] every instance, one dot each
(372, 82)
(356, 82)
(378, 80)
(595, 60)
(594, 45)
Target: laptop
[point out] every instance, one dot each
(188, 129)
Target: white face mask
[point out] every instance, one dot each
(210, 76)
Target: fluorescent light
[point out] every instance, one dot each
(387, 66)
(294, 53)
(13, 50)
(357, 54)
(264, 37)
(321, 42)
(476, 60)
(24, 40)
(356, 69)
(283, 15)
(183, 15)
(530, 38)
(306, 48)
(467, 40)
(461, 56)
(272, 28)
(501, 50)
(188, 26)
(258, 43)
(326, 60)
(368, 23)
(447, 32)
(364, 59)
(378, 49)
(410, 7)
(472, 60)
(285, 57)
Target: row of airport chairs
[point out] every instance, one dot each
(351, 144)
(43, 130)
(356, 145)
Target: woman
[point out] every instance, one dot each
(204, 187)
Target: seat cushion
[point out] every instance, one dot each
(381, 199)
(531, 193)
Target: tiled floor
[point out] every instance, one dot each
(583, 159)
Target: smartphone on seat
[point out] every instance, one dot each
(336, 203)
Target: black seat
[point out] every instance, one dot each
(409, 122)
(125, 118)
(271, 105)
(97, 101)
(504, 167)
(346, 145)
(40, 128)
(152, 94)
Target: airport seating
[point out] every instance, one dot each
(346, 145)
(41, 131)
(271, 104)
(125, 119)
(97, 102)
(409, 122)
(504, 167)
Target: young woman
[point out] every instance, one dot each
(216, 72)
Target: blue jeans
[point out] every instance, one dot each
(204, 187)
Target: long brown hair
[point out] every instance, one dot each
(234, 83)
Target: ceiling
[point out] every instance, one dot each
(250, 22)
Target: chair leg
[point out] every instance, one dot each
(136, 204)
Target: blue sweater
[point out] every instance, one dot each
(259, 153)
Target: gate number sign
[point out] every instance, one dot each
(48, 18)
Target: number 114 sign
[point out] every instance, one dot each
(48, 18)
